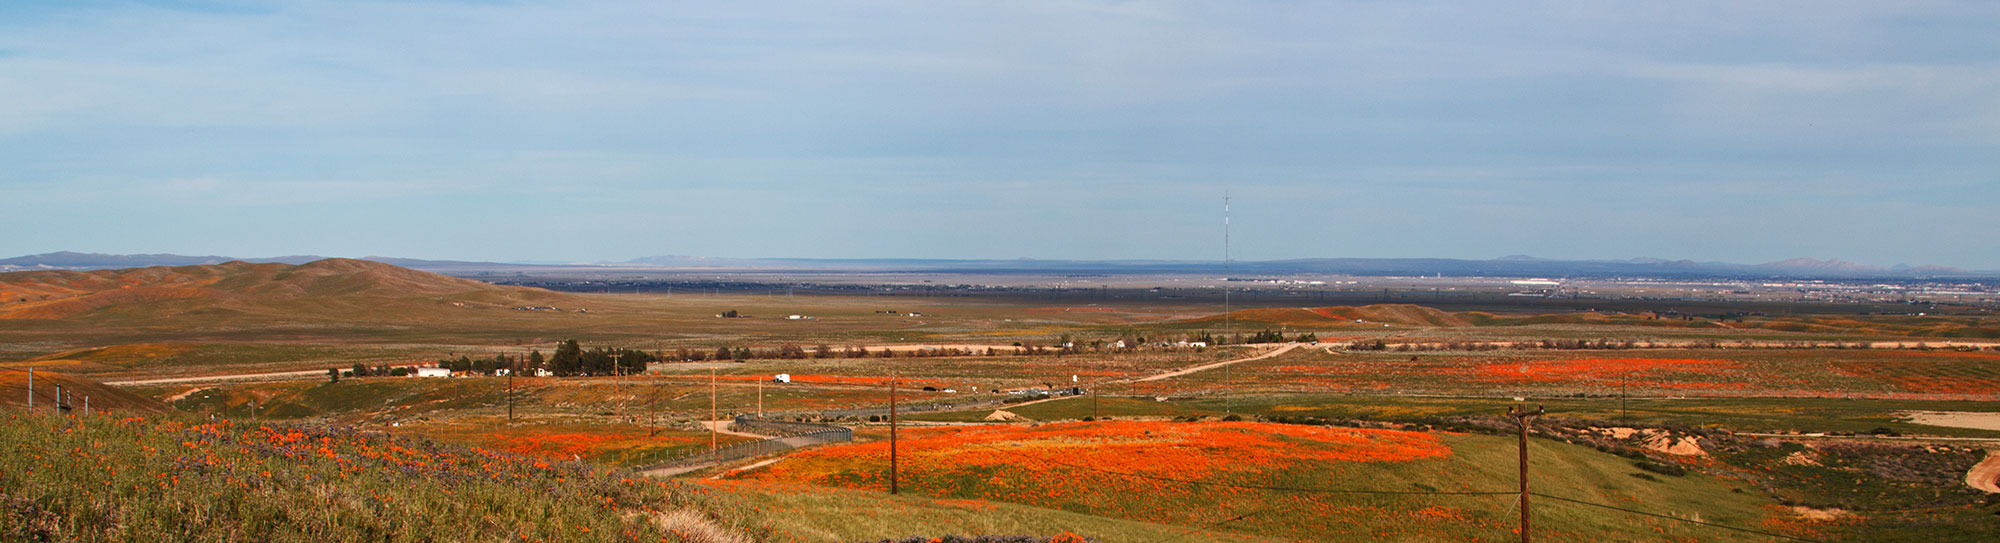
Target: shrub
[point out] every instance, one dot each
(1661, 468)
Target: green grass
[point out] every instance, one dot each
(105, 479)
(833, 515)
(1892, 493)
(1736, 414)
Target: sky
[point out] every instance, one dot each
(608, 130)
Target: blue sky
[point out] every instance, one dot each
(584, 131)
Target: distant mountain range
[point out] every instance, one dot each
(1511, 266)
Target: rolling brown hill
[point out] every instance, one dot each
(1404, 314)
(325, 288)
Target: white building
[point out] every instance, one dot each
(433, 372)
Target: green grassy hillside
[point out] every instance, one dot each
(110, 479)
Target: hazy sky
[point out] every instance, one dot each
(582, 131)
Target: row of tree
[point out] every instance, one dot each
(569, 359)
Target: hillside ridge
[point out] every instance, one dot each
(62, 294)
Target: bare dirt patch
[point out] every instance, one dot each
(1956, 419)
(1819, 515)
(1986, 474)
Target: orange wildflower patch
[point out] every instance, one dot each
(1975, 381)
(1598, 369)
(1098, 466)
(559, 446)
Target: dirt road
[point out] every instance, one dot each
(722, 427)
(273, 376)
(1205, 367)
(1340, 348)
(1986, 474)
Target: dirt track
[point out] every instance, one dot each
(273, 376)
(1986, 474)
(1205, 367)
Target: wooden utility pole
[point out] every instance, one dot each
(1622, 382)
(760, 398)
(892, 433)
(1521, 415)
(711, 410)
(512, 369)
(31, 390)
(1093, 404)
(653, 393)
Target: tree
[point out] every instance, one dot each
(535, 360)
(791, 351)
(360, 370)
(568, 359)
(722, 353)
(332, 375)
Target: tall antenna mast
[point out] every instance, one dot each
(1225, 300)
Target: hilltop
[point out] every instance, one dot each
(322, 288)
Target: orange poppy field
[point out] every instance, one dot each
(1286, 480)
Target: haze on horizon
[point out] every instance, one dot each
(608, 130)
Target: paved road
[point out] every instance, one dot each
(722, 427)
